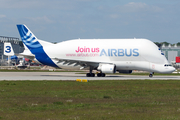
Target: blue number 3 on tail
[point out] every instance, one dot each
(8, 49)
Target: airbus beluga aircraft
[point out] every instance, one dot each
(104, 55)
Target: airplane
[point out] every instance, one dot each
(8, 51)
(104, 55)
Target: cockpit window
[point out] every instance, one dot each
(166, 65)
(161, 52)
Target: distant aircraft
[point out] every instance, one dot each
(104, 55)
(8, 51)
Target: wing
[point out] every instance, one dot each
(29, 56)
(83, 63)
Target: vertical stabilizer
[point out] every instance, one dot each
(8, 50)
(35, 45)
(28, 38)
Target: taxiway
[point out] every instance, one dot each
(73, 76)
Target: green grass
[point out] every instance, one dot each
(99, 100)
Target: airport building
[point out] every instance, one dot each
(171, 52)
(15, 42)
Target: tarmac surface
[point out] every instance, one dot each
(73, 76)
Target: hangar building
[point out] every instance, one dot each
(171, 52)
(15, 42)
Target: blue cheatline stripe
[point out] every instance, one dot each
(34, 46)
(42, 57)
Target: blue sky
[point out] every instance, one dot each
(61, 20)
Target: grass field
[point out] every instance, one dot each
(95, 100)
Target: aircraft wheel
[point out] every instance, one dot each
(150, 75)
(90, 75)
(99, 74)
(103, 74)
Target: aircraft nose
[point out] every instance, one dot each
(173, 69)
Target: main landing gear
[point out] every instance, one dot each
(90, 74)
(93, 75)
(101, 74)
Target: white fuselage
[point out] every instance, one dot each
(126, 54)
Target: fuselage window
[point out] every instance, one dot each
(167, 65)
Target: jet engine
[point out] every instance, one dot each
(107, 68)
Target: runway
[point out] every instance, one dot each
(73, 76)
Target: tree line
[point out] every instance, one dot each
(159, 44)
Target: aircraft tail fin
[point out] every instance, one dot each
(35, 45)
(29, 39)
(8, 49)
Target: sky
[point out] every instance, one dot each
(61, 20)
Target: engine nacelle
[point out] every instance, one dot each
(125, 71)
(107, 68)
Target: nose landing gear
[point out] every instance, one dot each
(151, 74)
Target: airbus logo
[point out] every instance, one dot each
(120, 52)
